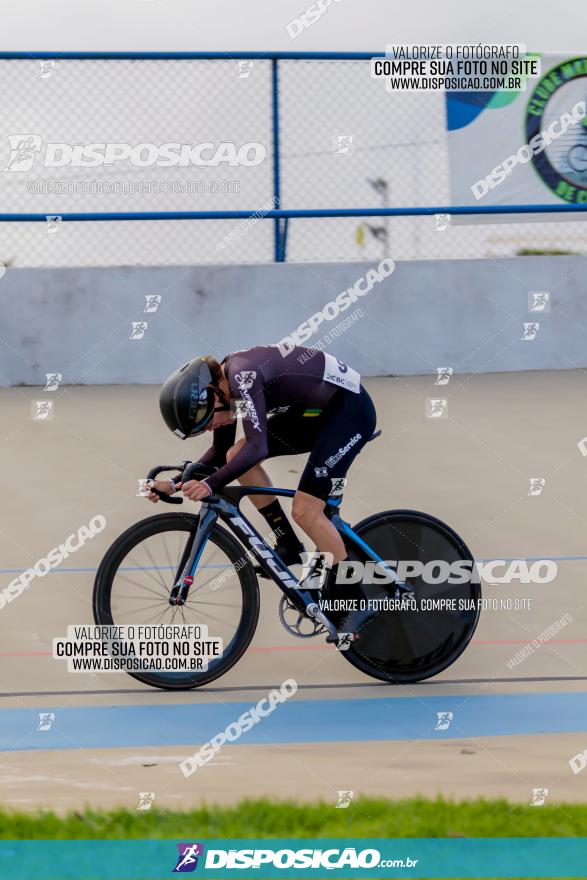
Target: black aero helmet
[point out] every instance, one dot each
(187, 397)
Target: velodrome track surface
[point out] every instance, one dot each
(513, 729)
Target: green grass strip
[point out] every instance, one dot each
(366, 817)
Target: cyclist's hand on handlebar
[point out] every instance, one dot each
(164, 486)
(195, 490)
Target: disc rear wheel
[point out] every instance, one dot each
(410, 645)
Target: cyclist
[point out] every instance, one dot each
(302, 401)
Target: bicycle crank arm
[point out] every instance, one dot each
(312, 610)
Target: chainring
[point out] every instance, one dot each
(297, 620)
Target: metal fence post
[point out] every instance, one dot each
(278, 250)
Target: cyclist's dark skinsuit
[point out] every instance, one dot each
(298, 403)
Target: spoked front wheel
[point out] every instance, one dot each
(137, 573)
(410, 645)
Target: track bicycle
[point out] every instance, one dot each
(200, 569)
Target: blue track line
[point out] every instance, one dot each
(296, 721)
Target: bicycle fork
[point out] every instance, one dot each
(184, 576)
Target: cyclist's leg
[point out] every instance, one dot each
(287, 545)
(290, 433)
(308, 514)
(349, 425)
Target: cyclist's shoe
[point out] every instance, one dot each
(335, 596)
(348, 625)
(351, 626)
(288, 555)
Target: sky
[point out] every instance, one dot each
(347, 25)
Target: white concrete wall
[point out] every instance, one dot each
(467, 314)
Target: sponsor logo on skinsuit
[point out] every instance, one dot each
(334, 459)
(245, 381)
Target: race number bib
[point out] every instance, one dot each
(339, 374)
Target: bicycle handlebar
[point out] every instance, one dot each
(154, 473)
(189, 471)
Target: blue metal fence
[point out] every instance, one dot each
(280, 213)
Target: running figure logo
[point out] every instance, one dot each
(146, 799)
(537, 484)
(23, 149)
(539, 795)
(152, 302)
(436, 408)
(530, 330)
(314, 569)
(138, 329)
(53, 380)
(443, 375)
(46, 719)
(46, 68)
(441, 222)
(239, 409)
(187, 860)
(42, 410)
(245, 379)
(244, 69)
(343, 144)
(443, 720)
(539, 301)
(53, 224)
(344, 641)
(344, 800)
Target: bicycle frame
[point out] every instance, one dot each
(225, 505)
